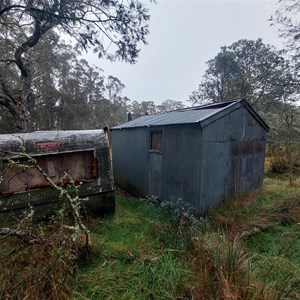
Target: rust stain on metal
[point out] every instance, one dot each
(77, 165)
(258, 148)
(48, 145)
(245, 147)
(57, 153)
(95, 168)
(6, 193)
(47, 184)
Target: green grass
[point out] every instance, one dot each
(274, 252)
(139, 253)
(276, 258)
(134, 257)
(279, 241)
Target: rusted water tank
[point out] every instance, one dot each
(81, 156)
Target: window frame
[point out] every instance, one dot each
(156, 141)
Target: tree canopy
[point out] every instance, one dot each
(69, 92)
(247, 68)
(112, 28)
(286, 17)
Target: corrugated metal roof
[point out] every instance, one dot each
(191, 115)
(182, 116)
(173, 117)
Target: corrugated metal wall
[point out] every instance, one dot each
(181, 163)
(233, 157)
(137, 169)
(201, 166)
(131, 159)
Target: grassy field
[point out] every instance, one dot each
(248, 248)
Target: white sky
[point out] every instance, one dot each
(183, 36)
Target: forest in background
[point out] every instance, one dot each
(47, 85)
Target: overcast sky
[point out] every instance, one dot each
(183, 36)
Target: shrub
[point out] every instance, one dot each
(181, 215)
(279, 166)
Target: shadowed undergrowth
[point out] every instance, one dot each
(30, 270)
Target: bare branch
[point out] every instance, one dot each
(72, 201)
(11, 7)
(24, 237)
(9, 61)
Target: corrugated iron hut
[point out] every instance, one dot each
(83, 155)
(200, 154)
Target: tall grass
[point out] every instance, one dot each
(37, 271)
(266, 260)
(221, 268)
(277, 260)
(144, 254)
(277, 203)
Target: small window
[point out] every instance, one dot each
(156, 141)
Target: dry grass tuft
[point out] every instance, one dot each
(39, 271)
(222, 268)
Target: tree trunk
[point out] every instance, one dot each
(18, 107)
(21, 117)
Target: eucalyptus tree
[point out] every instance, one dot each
(112, 28)
(143, 108)
(117, 103)
(75, 94)
(49, 62)
(149, 107)
(287, 18)
(247, 69)
(169, 105)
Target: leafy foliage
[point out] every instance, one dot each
(286, 16)
(91, 23)
(71, 94)
(248, 69)
(181, 215)
(149, 107)
(113, 29)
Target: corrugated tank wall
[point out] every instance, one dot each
(181, 163)
(233, 157)
(130, 159)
